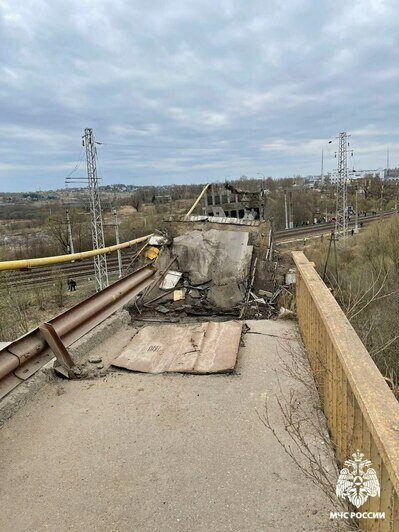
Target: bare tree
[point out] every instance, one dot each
(136, 200)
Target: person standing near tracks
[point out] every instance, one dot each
(71, 285)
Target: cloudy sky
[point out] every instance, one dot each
(194, 90)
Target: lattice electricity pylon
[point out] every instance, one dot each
(341, 216)
(97, 229)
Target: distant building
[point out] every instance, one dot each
(353, 175)
(392, 174)
(310, 181)
(361, 174)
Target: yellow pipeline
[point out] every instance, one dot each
(198, 200)
(43, 261)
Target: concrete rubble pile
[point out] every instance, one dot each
(204, 272)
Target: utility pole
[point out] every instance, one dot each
(286, 209)
(290, 210)
(69, 228)
(116, 223)
(322, 166)
(356, 213)
(97, 229)
(382, 198)
(341, 216)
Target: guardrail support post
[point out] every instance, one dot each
(58, 348)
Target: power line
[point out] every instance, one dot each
(174, 147)
(77, 165)
(159, 147)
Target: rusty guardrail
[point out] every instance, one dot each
(362, 412)
(23, 357)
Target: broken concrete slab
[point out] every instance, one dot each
(213, 255)
(226, 296)
(194, 293)
(209, 347)
(162, 309)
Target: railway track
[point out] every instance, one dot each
(286, 234)
(41, 277)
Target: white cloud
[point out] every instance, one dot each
(194, 87)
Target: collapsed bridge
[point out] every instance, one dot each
(163, 414)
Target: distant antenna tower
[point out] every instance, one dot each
(97, 230)
(341, 217)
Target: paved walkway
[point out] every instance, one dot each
(160, 452)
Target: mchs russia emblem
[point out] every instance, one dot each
(357, 481)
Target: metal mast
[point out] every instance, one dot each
(341, 217)
(97, 229)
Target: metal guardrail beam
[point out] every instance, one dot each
(362, 412)
(23, 357)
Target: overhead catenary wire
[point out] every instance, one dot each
(77, 164)
(155, 147)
